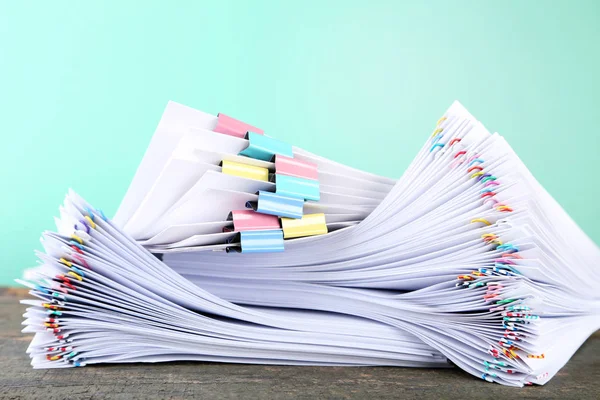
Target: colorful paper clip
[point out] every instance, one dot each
(270, 241)
(482, 220)
(90, 221)
(248, 220)
(277, 204)
(308, 225)
(292, 186)
(295, 167)
(244, 170)
(435, 146)
(85, 224)
(265, 148)
(233, 127)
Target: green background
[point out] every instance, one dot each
(83, 85)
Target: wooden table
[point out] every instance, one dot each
(579, 379)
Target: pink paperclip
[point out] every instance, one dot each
(456, 162)
(248, 220)
(80, 259)
(294, 167)
(472, 158)
(504, 261)
(496, 202)
(233, 127)
(490, 183)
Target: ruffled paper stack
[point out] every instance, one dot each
(232, 246)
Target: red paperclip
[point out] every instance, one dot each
(475, 167)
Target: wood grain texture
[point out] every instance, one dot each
(579, 379)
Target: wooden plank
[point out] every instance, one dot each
(579, 379)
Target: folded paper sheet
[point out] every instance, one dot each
(273, 255)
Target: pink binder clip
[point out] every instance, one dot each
(233, 127)
(248, 220)
(294, 167)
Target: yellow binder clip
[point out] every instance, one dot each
(308, 225)
(245, 170)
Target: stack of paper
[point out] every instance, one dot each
(193, 176)
(465, 258)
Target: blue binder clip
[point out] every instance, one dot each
(270, 241)
(276, 204)
(264, 148)
(292, 186)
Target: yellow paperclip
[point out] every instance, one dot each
(476, 174)
(503, 208)
(67, 263)
(76, 276)
(486, 235)
(536, 356)
(308, 225)
(441, 120)
(89, 220)
(245, 170)
(483, 221)
(438, 130)
(73, 236)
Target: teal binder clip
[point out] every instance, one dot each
(269, 241)
(292, 186)
(264, 148)
(276, 204)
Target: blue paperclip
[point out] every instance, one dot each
(506, 266)
(508, 247)
(293, 186)
(78, 271)
(77, 244)
(264, 148)
(267, 241)
(270, 241)
(101, 214)
(90, 213)
(42, 289)
(479, 160)
(59, 296)
(436, 145)
(476, 284)
(276, 204)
